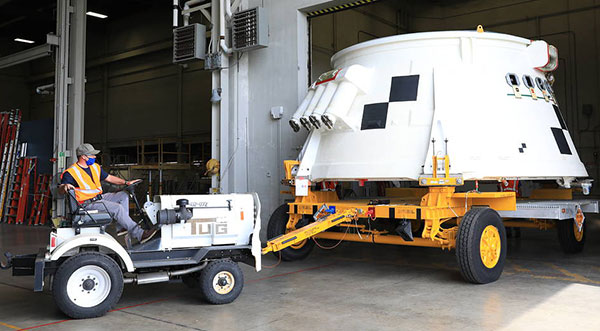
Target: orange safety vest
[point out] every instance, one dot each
(88, 187)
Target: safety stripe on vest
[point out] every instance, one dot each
(88, 191)
(78, 173)
(96, 173)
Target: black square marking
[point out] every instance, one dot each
(374, 116)
(561, 120)
(561, 141)
(404, 88)
(522, 148)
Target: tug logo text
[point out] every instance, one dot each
(207, 227)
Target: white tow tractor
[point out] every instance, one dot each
(202, 239)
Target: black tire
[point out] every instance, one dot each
(468, 242)
(277, 226)
(569, 242)
(87, 263)
(225, 270)
(417, 231)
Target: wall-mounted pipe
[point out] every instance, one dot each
(45, 89)
(228, 13)
(222, 44)
(175, 13)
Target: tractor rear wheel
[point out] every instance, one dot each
(221, 282)
(481, 246)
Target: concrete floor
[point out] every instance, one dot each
(354, 287)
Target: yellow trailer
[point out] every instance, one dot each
(433, 215)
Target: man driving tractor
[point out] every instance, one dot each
(84, 178)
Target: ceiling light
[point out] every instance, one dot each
(91, 13)
(24, 41)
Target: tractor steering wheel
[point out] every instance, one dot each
(131, 187)
(131, 190)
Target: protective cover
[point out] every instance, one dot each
(483, 97)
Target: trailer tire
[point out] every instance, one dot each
(277, 227)
(480, 259)
(571, 240)
(221, 282)
(99, 278)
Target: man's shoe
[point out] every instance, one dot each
(147, 235)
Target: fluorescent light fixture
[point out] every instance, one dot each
(91, 13)
(24, 41)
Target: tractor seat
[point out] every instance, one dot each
(90, 218)
(81, 217)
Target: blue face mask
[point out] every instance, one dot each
(90, 161)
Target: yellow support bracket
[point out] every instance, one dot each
(310, 230)
(446, 180)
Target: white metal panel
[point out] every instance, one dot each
(220, 219)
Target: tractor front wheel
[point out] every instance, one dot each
(87, 285)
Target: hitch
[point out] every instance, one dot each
(8, 264)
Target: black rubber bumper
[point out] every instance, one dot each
(31, 265)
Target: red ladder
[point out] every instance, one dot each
(9, 136)
(19, 195)
(41, 199)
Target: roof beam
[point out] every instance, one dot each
(26, 55)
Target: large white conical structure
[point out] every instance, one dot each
(374, 117)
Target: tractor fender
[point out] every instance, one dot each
(99, 240)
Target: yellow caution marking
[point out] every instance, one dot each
(520, 269)
(10, 326)
(339, 7)
(573, 275)
(567, 279)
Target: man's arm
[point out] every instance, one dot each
(67, 183)
(63, 188)
(119, 181)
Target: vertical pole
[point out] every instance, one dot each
(106, 160)
(239, 109)
(76, 105)
(60, 98)
(179, 142)
(106, 157)
(216, 84)
(224, 132)
(69, 87)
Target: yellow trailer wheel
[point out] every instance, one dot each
(570, 237)
(481, 246)
(490, 246)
